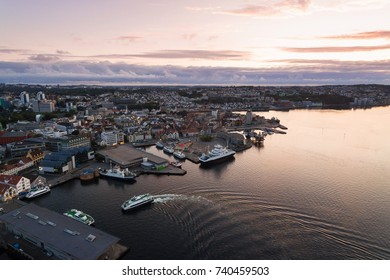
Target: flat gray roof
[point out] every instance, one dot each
(126, 155)
(49, 227)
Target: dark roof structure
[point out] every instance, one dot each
(71, 237)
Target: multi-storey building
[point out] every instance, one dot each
(67, 142)
(114, 137)
(43, 106)
(20, 183)
(21, 149)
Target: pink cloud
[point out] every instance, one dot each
(379, 34)
(189, 36)
(337, 49)
(184, 54)
(129, 38)
(271, 9)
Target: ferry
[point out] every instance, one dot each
(37, 191)
(80, 216)
(217, 154)
(117, 173)
(137, 201)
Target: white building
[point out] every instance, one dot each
(24, 98)
(41, 96)
(20, 183)
(110, 138)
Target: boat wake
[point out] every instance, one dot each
(164, 198)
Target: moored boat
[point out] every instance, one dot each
(176, 164)
(179, 155)
(217, 154)
(118, 173)
(80, 216)
(159, 145)
(168, 150)
(37, 191)
(137, 201)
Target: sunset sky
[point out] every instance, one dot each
(265, 42)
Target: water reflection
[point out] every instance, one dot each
(216, 169)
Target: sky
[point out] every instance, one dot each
(188, 42)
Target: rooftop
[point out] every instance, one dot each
(76, 239)
(126, 155)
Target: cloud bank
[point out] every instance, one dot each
(305, 72)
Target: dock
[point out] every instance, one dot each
(169, 170)
(192, 157)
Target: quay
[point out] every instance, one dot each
(169, 170)
(256, 127)
(193, 157)
(124, 156)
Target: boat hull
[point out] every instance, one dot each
(31, 195)
(213, 161)
(123, 179)
(135, 207)
(89, 221)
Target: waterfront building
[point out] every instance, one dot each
(64, 161)
(16, 168)
(127, 156)
(20, 183)
(139, 136)
(7, 192)
(58, 237)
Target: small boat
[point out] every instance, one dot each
(137, 201)
(179, 155)
(168, 150)
(176, 164)
(159, 145)
(37, 191)
(80, 216)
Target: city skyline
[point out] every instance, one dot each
(279, 42)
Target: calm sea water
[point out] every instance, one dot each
(322, 191)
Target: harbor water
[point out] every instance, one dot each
(322, 191)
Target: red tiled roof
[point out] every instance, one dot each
(12, 179)
(3, 188)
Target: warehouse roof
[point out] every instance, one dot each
(77, 240)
